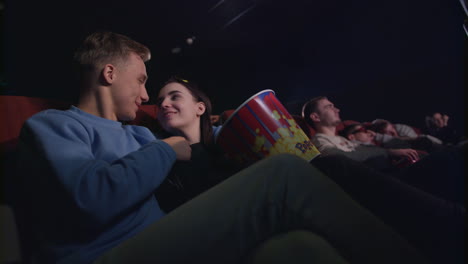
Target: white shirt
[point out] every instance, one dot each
(323, 142)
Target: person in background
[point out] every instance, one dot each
(88, 187)
(323, 116)
(440, 173)
(437, 125)
(359, 134)
(407, 134)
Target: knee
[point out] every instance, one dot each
(302, 246)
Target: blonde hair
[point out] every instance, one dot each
(103, 47)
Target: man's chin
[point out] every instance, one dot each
(127, 118)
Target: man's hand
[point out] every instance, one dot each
(408, 153)
(180, 146)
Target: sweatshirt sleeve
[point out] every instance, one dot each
(93, 185)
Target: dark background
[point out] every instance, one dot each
(399, 60)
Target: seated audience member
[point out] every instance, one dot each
(406, 133)
(440, 172)
(207, 165)
(437, 125)
(381, 140)
(359, 134)
(89, 182)
(323, 116)
(439, 120)
(371, 189)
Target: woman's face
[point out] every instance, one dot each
(390, 130)
(178, 111)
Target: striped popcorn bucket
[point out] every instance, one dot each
(262, 127)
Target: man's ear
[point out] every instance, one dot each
(108, 74)
(314, 117)
(201, 108)
(351, 137)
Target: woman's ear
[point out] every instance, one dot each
(201, 108)
(108, 74)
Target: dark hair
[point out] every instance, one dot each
(379, 125)
(311, 107)
(102, 47)
(206, 128)
(349, 129)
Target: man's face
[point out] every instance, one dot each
(327, 114)
(128, 90)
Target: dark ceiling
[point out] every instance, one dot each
(374, 58)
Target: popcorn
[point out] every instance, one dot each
(259, 143)
(262, 127)
(292, 140)
(276, 115)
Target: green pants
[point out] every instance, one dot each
(239, 220)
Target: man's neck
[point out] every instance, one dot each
(327, 130)
(97, 102)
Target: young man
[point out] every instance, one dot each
(88, 188)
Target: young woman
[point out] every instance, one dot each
(184, 110)
(423, 219)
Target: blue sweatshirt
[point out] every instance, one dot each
(90, 182)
